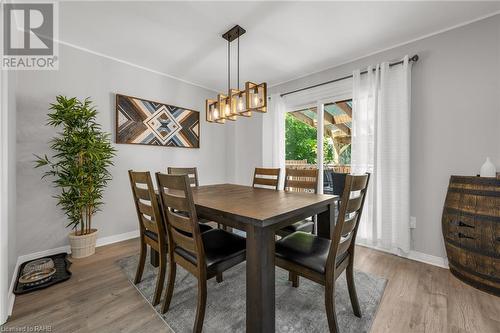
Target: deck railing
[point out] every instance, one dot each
(302, 164)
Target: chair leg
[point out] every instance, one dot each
(141, 263)
(352, 290)
(161, 277)
(219, 278)
(330, 307)
(200, 308)
(294, 278)
(172, 267)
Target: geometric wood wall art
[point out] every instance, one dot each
(144, 122)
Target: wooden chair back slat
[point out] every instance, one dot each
(176, 202)
(140, 177)
(301, 180)
(349, 224)
(181, 218)
(142, 193)
(344, 244)
(344, 233)
(183, 241)
(354, 204)
(145, 208)
(359, 183)
(265, 182)
(173, 184)
(146, 203)
(179, 222)
(266, 178)
(191, 172)
(267, 171)
(149, 224)
(300, 185)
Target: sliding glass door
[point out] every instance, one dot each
(319, 136)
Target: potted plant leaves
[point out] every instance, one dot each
(79, 167)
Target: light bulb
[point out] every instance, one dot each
(216, 113)
(227, 110)
(240, 104)
(256, 100)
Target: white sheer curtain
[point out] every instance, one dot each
(381, 146)
(278, 110)
(273, 140)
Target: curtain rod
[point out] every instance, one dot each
(414, 59)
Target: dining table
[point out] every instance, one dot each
(260, 213)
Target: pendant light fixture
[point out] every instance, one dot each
(236, 102)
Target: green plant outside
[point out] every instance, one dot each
(301, 143)
(79, 166)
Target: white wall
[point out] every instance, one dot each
(455, 116)
(244, 152)
(40, 224)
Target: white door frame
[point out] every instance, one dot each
(320, 129)
(4, 214)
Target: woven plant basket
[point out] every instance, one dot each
(82, 246)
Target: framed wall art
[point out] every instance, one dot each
(144, 122)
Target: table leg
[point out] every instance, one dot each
(326, 222)
(260, 280)
(154, 257)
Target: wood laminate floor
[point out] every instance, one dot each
(99, 298)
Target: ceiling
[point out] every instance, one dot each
(284, 40)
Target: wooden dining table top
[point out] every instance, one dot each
(256, 205)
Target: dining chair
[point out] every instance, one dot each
(193, 181)
(338, 182)
(300, 180)
(191, 172)
(151, 227)
(266, 178)
(323, 260)
(204, 255)
(327, 181)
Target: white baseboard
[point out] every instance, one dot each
(31, 256)
(117, 238)
(414, 255)
(428, 259)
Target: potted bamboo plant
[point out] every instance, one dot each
(79, 168)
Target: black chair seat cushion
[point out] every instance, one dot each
(154, 236)
(305, 225)
(306, 250)
(223, 250)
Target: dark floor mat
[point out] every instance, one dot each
(61, 264)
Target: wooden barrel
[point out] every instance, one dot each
(471, 231)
